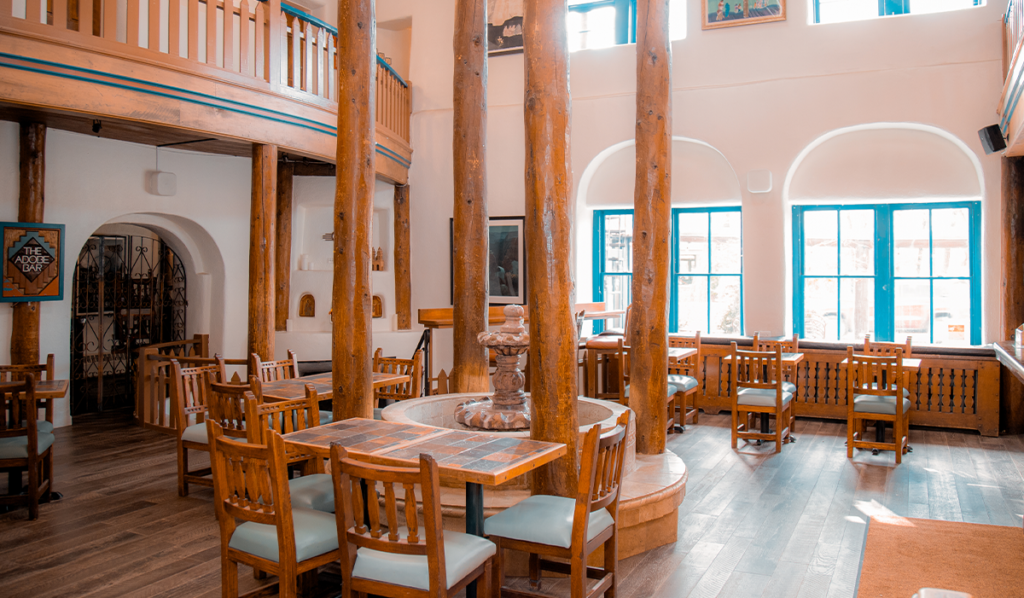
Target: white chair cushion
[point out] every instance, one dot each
(671, 390)
(41, 426)
(314, 491)
(17, 446)
(761, 397)
(462, 554)
(545, 520)
(682, 383)
(315, 533)
(877, 404)
(197, 433)
(788, 387)
(906, 391)
(326, 417)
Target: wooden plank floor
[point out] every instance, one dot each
(753, 523)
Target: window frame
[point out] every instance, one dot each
(884, 254)
(625, 17)
(886, 8)
(599, 274)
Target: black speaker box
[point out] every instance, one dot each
(992, 139)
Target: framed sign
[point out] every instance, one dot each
(506, 264)
(33, 262)
(729, 13)
(504, 27)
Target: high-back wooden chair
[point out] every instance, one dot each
(189, 404)
(623, 370)
(270, 371)
(440, 383)
(251, 486)
(23, 447)
(227, 405)
(789, 345)
(886, 348)
(685, 374)
(389, 554)
(873, 383)
(756, 387)
(567, 528)
(42, 371)
(406, 367)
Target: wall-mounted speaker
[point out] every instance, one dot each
(992, 139)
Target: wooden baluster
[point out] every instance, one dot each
(174, 28)
(132, 23)
(307, 58)
(243, 38)
(193, 30)
(295, 54)
(6, 8)
(211, 32)
(60, 14)
(261, 69)
(84, 17)
(229, 35)
(275, 37)
(153, 25)
(32, 11)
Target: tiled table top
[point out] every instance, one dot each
(289, 390)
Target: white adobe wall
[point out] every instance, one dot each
(758, 94)
(91, 182)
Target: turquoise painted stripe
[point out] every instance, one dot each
(393, 155)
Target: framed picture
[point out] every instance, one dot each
(730, 13)
(506, 270)
(504, 27)
(33, 262)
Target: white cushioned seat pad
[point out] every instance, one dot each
(462, 554)
(41, 426)
(315, 534)
(326, 417)
(789, 387)
(17, 447)
(671, 390)
(906, 391)
(682, 383)
(315, 491)
(545, 520)
(761, 397)
(878, 404)
(197, 433)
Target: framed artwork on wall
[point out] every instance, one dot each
(504, 27)
(506, 270)
(730, 13)
(33, 257)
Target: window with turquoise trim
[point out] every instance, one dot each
(707, 267)
(838, 11)
(888, 270)
(596, 24)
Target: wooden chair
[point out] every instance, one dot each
(872, 384)
(571, 529)
(440, 384)
(622, 359)
(389, 556)
(756, 387)
(686, 376)
(581, 344)
(227, 404)
(42, 371)
(788, 370)
(406, 367)
(189, 403)
(314, 490)
(270, 371)
(23, 447)
(251, 485)
(884, 348)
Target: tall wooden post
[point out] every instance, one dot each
(403, 259)
(353, 208)
(261, 251)
(25, 328)
(1011, 390)
(469, 253)
(652, 221)
(549, 223)
(283, 247)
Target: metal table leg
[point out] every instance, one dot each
(474, 520)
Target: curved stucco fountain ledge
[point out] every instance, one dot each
(653, 486)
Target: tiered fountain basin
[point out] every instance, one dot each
(653, 486)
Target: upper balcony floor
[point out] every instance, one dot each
(1011, 120)
(219, 74)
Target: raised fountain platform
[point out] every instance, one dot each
(653, 486)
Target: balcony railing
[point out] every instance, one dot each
(255, 43)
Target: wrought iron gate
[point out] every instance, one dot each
(129, 292)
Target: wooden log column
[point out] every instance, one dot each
(1011, 390)
(283, 248)
(25, 327)
(353, 208)
(403, 252)
(470, 255)
(652, 221)
(549, 226)
(261, 251)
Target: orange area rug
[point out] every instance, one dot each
(902, 556)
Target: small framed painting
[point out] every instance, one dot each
(730, 13)
(33, 267)
(506, 264)
(504, 27)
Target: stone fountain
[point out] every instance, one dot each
(507, 408)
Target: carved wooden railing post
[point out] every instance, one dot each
(1012, 314)
(283, 249)
(353, 208)
(469, 248)
(261, 251)
(403, 259)
(549, 220)
(25, 328)
(652, 221)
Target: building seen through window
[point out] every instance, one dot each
(594, 24)
(838, 11)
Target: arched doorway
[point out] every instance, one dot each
(129, 291)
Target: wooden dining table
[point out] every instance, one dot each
(295, 388)
(476, 458)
